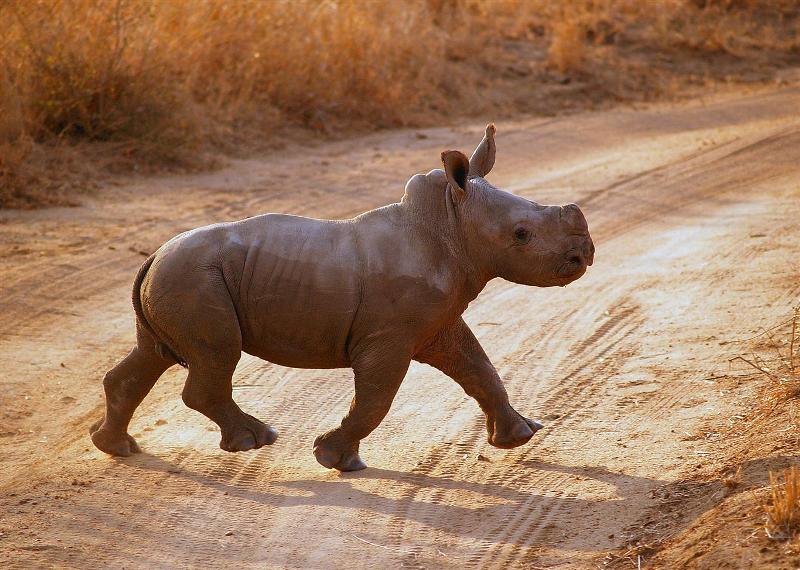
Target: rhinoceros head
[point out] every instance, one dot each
(510, 237)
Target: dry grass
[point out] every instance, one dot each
(567, 52)
(778, 359)
(164, 83)
(783, 510)
(734, 480)
(775, 357)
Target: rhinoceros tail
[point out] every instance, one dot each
(163, 350)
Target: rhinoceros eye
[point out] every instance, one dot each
(522, 235)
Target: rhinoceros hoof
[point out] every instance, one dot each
(119, 444)
(335, 457)
(249, 434)
(517, 433)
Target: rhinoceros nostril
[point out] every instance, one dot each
(576, 259)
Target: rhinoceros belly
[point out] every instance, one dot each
(298, 293)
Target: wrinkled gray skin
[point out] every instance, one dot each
(372, 293)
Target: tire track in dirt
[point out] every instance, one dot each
(438, 462)
(534, 515)
(441, 461)
(311, 404)
(304, 397)
(705, 177)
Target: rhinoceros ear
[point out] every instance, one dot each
(456, 166)
(482, 160)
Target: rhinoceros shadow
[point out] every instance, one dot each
(558, 519)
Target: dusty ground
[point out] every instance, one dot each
(695, 213)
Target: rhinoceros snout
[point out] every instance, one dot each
(581, 255)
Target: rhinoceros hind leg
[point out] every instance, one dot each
(209, 391)
(125, 387)
(211, 343)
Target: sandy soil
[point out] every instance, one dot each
(695, 213)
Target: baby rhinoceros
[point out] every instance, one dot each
(372, 293)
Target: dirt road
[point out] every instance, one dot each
(695, 212)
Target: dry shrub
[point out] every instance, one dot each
(783, 510)
(735, 27)
(733, 480)
(163, 83)
(149, 71)
(567, 47)
(578, 28)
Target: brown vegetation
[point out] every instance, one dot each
(783, 510)
(744, 508)
(777, 358)
(163, 84)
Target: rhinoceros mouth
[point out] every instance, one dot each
(569, 271)
(573, 266)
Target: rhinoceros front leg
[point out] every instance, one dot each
(379, 371)
(456, 352)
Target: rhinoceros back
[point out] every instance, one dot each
(295, 285)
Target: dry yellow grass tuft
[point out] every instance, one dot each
(733, 480)
(163, 83)
(783, 510)
(779, 361)
(567, 47)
